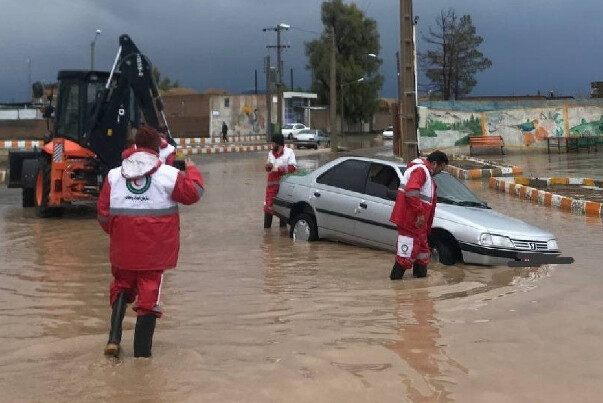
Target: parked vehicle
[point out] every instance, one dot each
(311, 138)
(388, 133)
(350, 199)
(290, 129)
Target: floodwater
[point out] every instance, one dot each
(251, 316)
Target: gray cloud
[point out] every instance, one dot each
(534, 44)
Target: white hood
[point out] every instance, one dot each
(139, 164)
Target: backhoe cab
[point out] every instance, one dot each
(94, 114)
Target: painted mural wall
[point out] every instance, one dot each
(244, 115)
(526, 127)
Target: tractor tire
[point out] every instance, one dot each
(42, 189)
(28, 197)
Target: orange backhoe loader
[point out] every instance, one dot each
(94, 114)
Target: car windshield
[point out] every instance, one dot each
(452, 191)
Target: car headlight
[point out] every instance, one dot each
(552, 244)
(495, 240)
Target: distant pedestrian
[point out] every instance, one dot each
(138, 208)
(413, 214)
(224, 132)
(281, 160)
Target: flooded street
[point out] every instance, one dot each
(251, 316)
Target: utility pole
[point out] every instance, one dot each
(268, 99)
(279, 69)
(407, 96)
(333, 96)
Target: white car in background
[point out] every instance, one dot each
(388, 133)
(290, 129)
(311, 138)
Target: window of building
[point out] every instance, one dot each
(227, 102)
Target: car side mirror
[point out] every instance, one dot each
(391, 194)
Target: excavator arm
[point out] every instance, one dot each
(130, 89)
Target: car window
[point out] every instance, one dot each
(451, 188)
(349, 175)
(305, 131)
(381, 178)
(299, 126)
(288, 127)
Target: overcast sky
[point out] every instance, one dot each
(534, 44)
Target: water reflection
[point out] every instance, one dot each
(419, 346)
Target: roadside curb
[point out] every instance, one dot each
(181, 141)
(221, 150)
(499, 170)
(548, 199)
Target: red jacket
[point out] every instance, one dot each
(416, 196)
(138, 208)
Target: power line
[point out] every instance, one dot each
(306, 30)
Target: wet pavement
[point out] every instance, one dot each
(252, 316)
(577, 165)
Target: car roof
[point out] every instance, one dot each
(393, 161)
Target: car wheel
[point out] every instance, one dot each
(443, 252)
(289, 136)
(303, 227)
(316, 146)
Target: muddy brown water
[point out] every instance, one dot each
(251, 316)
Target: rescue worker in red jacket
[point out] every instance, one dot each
(138, 208)
(281, 160)
(413, 214)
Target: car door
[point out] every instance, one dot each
(337, 196)
(320, 136)
(372, 224)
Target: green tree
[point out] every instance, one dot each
(452, 65)
(164, 83)
(356, 37)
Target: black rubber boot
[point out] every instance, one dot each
(397, 272)
(419, 270)
(143, 335)
(282, 223)
(267, 220)
(117, 316)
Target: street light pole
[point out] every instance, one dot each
(341, 99)
(98, 32)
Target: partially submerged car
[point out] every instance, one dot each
(350, 199)
(311, 138)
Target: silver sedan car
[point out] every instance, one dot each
(311, 138)
(350, 199)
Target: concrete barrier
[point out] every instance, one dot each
(526, 192)
(499, 170)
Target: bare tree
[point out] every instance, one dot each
(455, 60)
